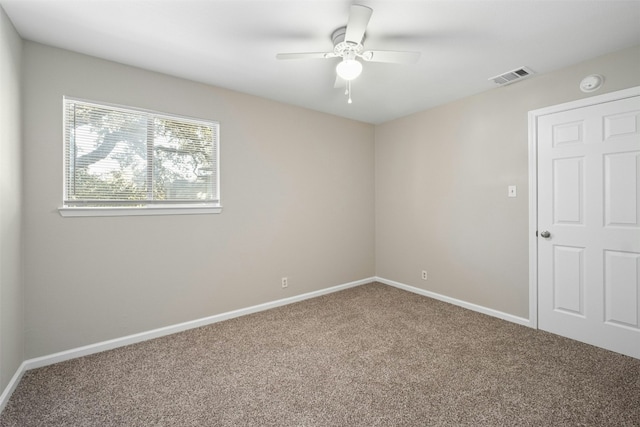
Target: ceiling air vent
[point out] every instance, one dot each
(512, 76)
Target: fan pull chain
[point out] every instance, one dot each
(349, 101)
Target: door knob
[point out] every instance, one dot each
(545, 234)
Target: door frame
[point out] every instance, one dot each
(533, 181)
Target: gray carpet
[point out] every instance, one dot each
(367, 356)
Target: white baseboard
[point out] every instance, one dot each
(10, 388)
(74, 353)
(460, 303)
(39, 362)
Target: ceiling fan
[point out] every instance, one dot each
(348, 44)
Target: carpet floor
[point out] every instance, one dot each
(372, 355)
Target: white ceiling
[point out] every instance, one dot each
(233, 43)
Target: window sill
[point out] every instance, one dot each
(137, 211)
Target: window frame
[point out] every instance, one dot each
(158, 208)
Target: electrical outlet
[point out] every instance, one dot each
(285, 282)
(424, 274)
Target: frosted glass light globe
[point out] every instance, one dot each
(349, 69)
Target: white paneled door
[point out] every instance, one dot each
(588, 224)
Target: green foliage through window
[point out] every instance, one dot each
(116, 156)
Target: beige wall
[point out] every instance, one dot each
(441, 187)
(297, 189)
(298, 194)
(11, 300)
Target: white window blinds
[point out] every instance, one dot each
(125, 157)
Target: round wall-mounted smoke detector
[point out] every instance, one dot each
(591, 83)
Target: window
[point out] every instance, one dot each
(126, 161)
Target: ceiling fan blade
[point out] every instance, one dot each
(356, 26)
(306, 55)
(391, 56)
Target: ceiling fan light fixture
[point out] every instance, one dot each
(349, 69)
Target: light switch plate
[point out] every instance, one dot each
(512, 191)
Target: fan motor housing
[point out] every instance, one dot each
(340, 46)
